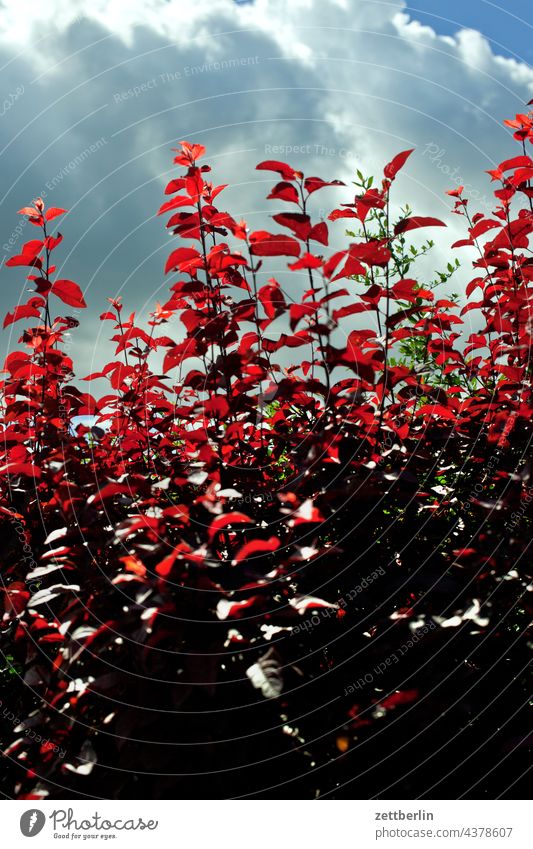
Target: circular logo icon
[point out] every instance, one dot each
(32, 822)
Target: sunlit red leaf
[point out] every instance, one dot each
(282, 168)
(175, 203)
(29, 255)
(396, 164)
(53, 212)
(299, 223)
(415, 223)
(27, 469)
(306, 261)
(284, 191)
(184, 259)
(342, 213)
(189, 153)
(29, 310)
(319, 233)
(273, 244)
(228, 521)
(313, 184)
(69, 292)
(256, 547)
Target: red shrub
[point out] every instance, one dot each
(198, 585)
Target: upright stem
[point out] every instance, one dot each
(387, 332)
(315, 293)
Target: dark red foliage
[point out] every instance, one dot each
(241, 576)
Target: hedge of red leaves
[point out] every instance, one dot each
(255, 578)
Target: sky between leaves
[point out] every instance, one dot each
(350, 81)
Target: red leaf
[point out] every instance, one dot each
(30, 252)
(227, 520)
(483, 226)
(372, 253)
(194, 185)
(436, 410)
(299, 311)
(372, 199)
(312, 184)
(53, 212)
(42, 285)
(303, 603)
(34, 215)
(351, 309)
(284, 191)
(284, 341)
(108, 491)
(236, 609)
(69, 292)
(299, 223)
(319, 233)
(398, 162)
(216, 407)
(217, 189)
(306, 261)
(331, 264)
(282, 168)
(407, 290)
(521, 175)
(189, 153)
(342, 213)
(26, 469)
(516, 162)
(415, 223)
(180, 200)
(456, 193)
(272, 299)
(273, 244)
(352, 267)
(15, 361)
(52, 242)
(184, 259)
(175, 186)
(400, 698)
(256, 546)
(477, 281)
(29, 310)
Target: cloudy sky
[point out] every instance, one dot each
(96, 93)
